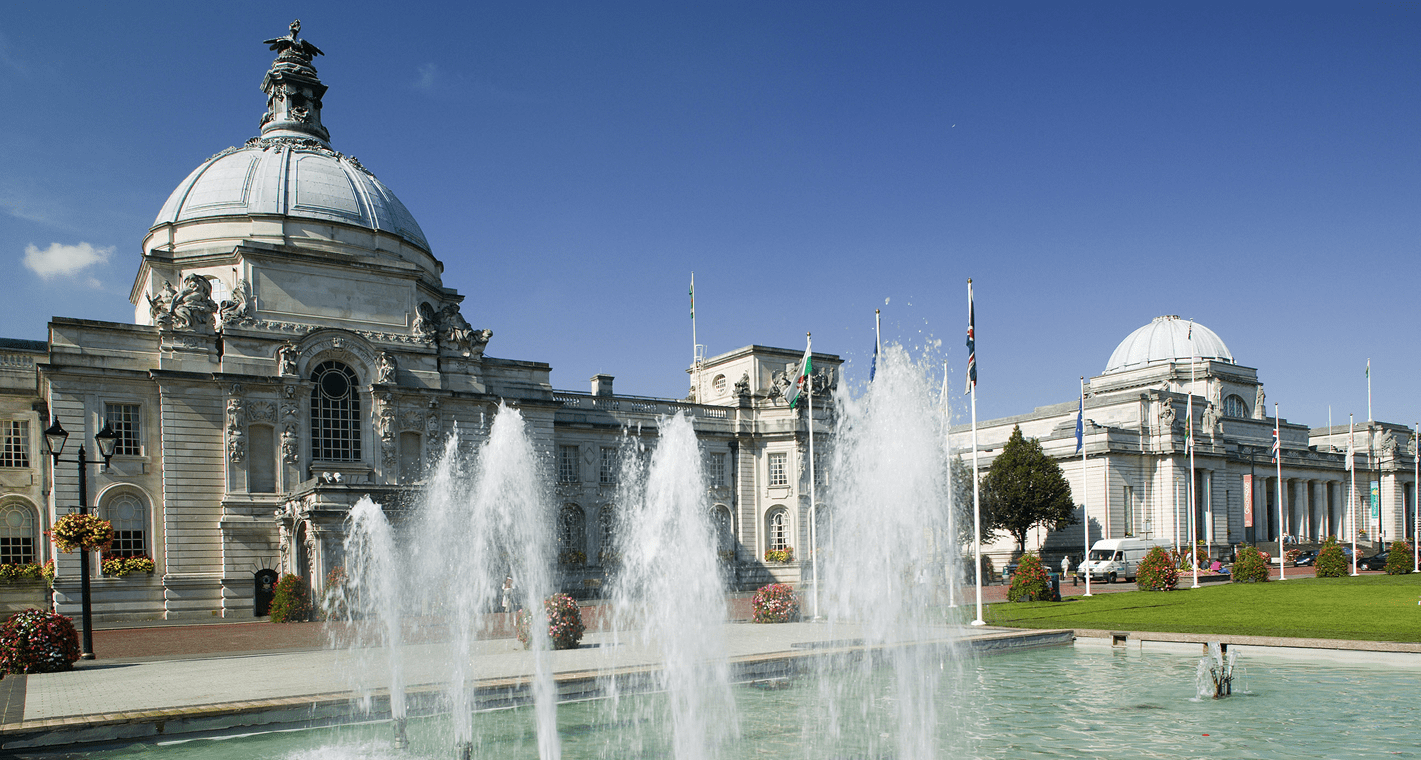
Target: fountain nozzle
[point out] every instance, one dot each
(402, 742)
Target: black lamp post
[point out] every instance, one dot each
(54, 440)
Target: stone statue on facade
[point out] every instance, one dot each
(455, 332)
(1386, 444)
(286, 355)
(1210, 420)
(192, 308)
(742, 386)
(385, 427)
(779, 383)
(291, 46)
(426, 323)
(236, 430)
(1260, 407)
(160, 306)
(290, 450)
(1166, 417)
(385, 368)
(238, 310)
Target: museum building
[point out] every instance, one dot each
(293, 349)
(1135, 479)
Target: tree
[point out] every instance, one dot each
(1024, 488)
(961, 485)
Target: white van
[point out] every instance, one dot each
(1114, 558)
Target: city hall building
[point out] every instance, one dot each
(294, 348)
(1136, 477)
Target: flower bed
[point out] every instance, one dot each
(35, 641)
(776, 603)
(291, 600)
(1251, 567)
(565, 627)
(119, 567)
(29, 572)
(782, 556)
(1030, 582)
(76, 532)
(1157, 571)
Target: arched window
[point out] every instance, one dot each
(777, 528)
(17, 534)
(1235, 406)
(724, 529)
(335, 414)
(719, 385)
(571, 529)
(130, 525)
(607, 521)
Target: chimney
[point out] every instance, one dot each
(601, 385)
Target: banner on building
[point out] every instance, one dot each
(1248, 501)
(1376, 500)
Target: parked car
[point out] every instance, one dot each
(1306, 559)
(1374, 562)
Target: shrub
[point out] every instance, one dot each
(1398, 561)
(776, 603)
(1157, 571)
(291, 600)
(564, 618)
(119, 567)
(1331, 562)
(780, 555)
(1252, 566)
(1030, 583)
(74, 532)
(29, 572)
(334, 603)
(35, 641)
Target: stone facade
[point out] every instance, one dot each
(295, 349)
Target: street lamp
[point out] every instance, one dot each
(54, 439)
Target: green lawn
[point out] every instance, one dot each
(1371, 607)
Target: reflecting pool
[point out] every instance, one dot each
(1062, 702)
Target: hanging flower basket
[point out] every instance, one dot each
(118, 567)
(76, 532)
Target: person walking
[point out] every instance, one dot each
(1066, 568)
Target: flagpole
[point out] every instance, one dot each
(1278, 457)
(1416, 503)
(1189, 444)
(1369, 391)
(877, 333)
(1352, 491)
(976, 481)
(1085, 496)
(951, 491)
(695, 346)
(813, 501)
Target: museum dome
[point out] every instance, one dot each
(290, 170)
(1167, 339)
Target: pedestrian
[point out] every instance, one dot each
(508, 593)
(1066, 568)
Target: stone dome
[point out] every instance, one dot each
(291, 177)
(1167, 339)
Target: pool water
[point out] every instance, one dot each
(1063, 702)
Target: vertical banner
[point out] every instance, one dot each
(1248, 501)
(1376, 501)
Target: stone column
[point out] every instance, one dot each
(1304, 509)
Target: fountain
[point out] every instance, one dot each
(1215, 675)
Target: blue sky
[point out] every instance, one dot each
(1090, 166)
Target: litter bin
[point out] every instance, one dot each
(1055, 581)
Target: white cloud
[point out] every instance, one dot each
(64, 260)
(427, 74)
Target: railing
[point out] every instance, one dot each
(637, 405)
(17, 360)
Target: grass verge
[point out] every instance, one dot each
(1367, 608)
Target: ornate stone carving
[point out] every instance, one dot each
(286, 355)
(1166, 417)
(457, 334)
(1210, 421)
(160, 306)
(412, 420)
(290, 426)
(1411, 445)
(426, 323)
(432, 425)
(779, 382)
(385, 368)
(290, 450)
(1386, 444)
(742, 386)
(188, 309)
(236, 430)
(238, 311)
(1260, 407)
(385, 427)
(261, 411)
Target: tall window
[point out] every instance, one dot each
(778, 474)
(261, 459)
(129, 520)
(778, 534)
(335, 414)
(411, 457)
(17, 534)
(717, 469)
(607, 521)
(124, 420)
(724, 531)
(611, 463)
(568, 469)
(571, 529)
(14, 443)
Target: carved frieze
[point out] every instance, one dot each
(385, 427)
(190, 309)
(261, 411)
(236, 429)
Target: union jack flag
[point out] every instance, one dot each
(1276, 447)
(971, 341)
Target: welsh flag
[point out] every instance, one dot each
(801, 379)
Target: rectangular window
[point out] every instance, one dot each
(717, 470)
(778, 476)
(15, 440)
(411, 457)
(568, 469)
(611, 463)
(261, 459)
(123, 419)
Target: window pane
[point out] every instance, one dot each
(568, 469)
(335, 414)
(129, 518)
(123, 419)
(610, 464)
(17, 535)
(261, 461)
(14, 443)
(778, 476)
